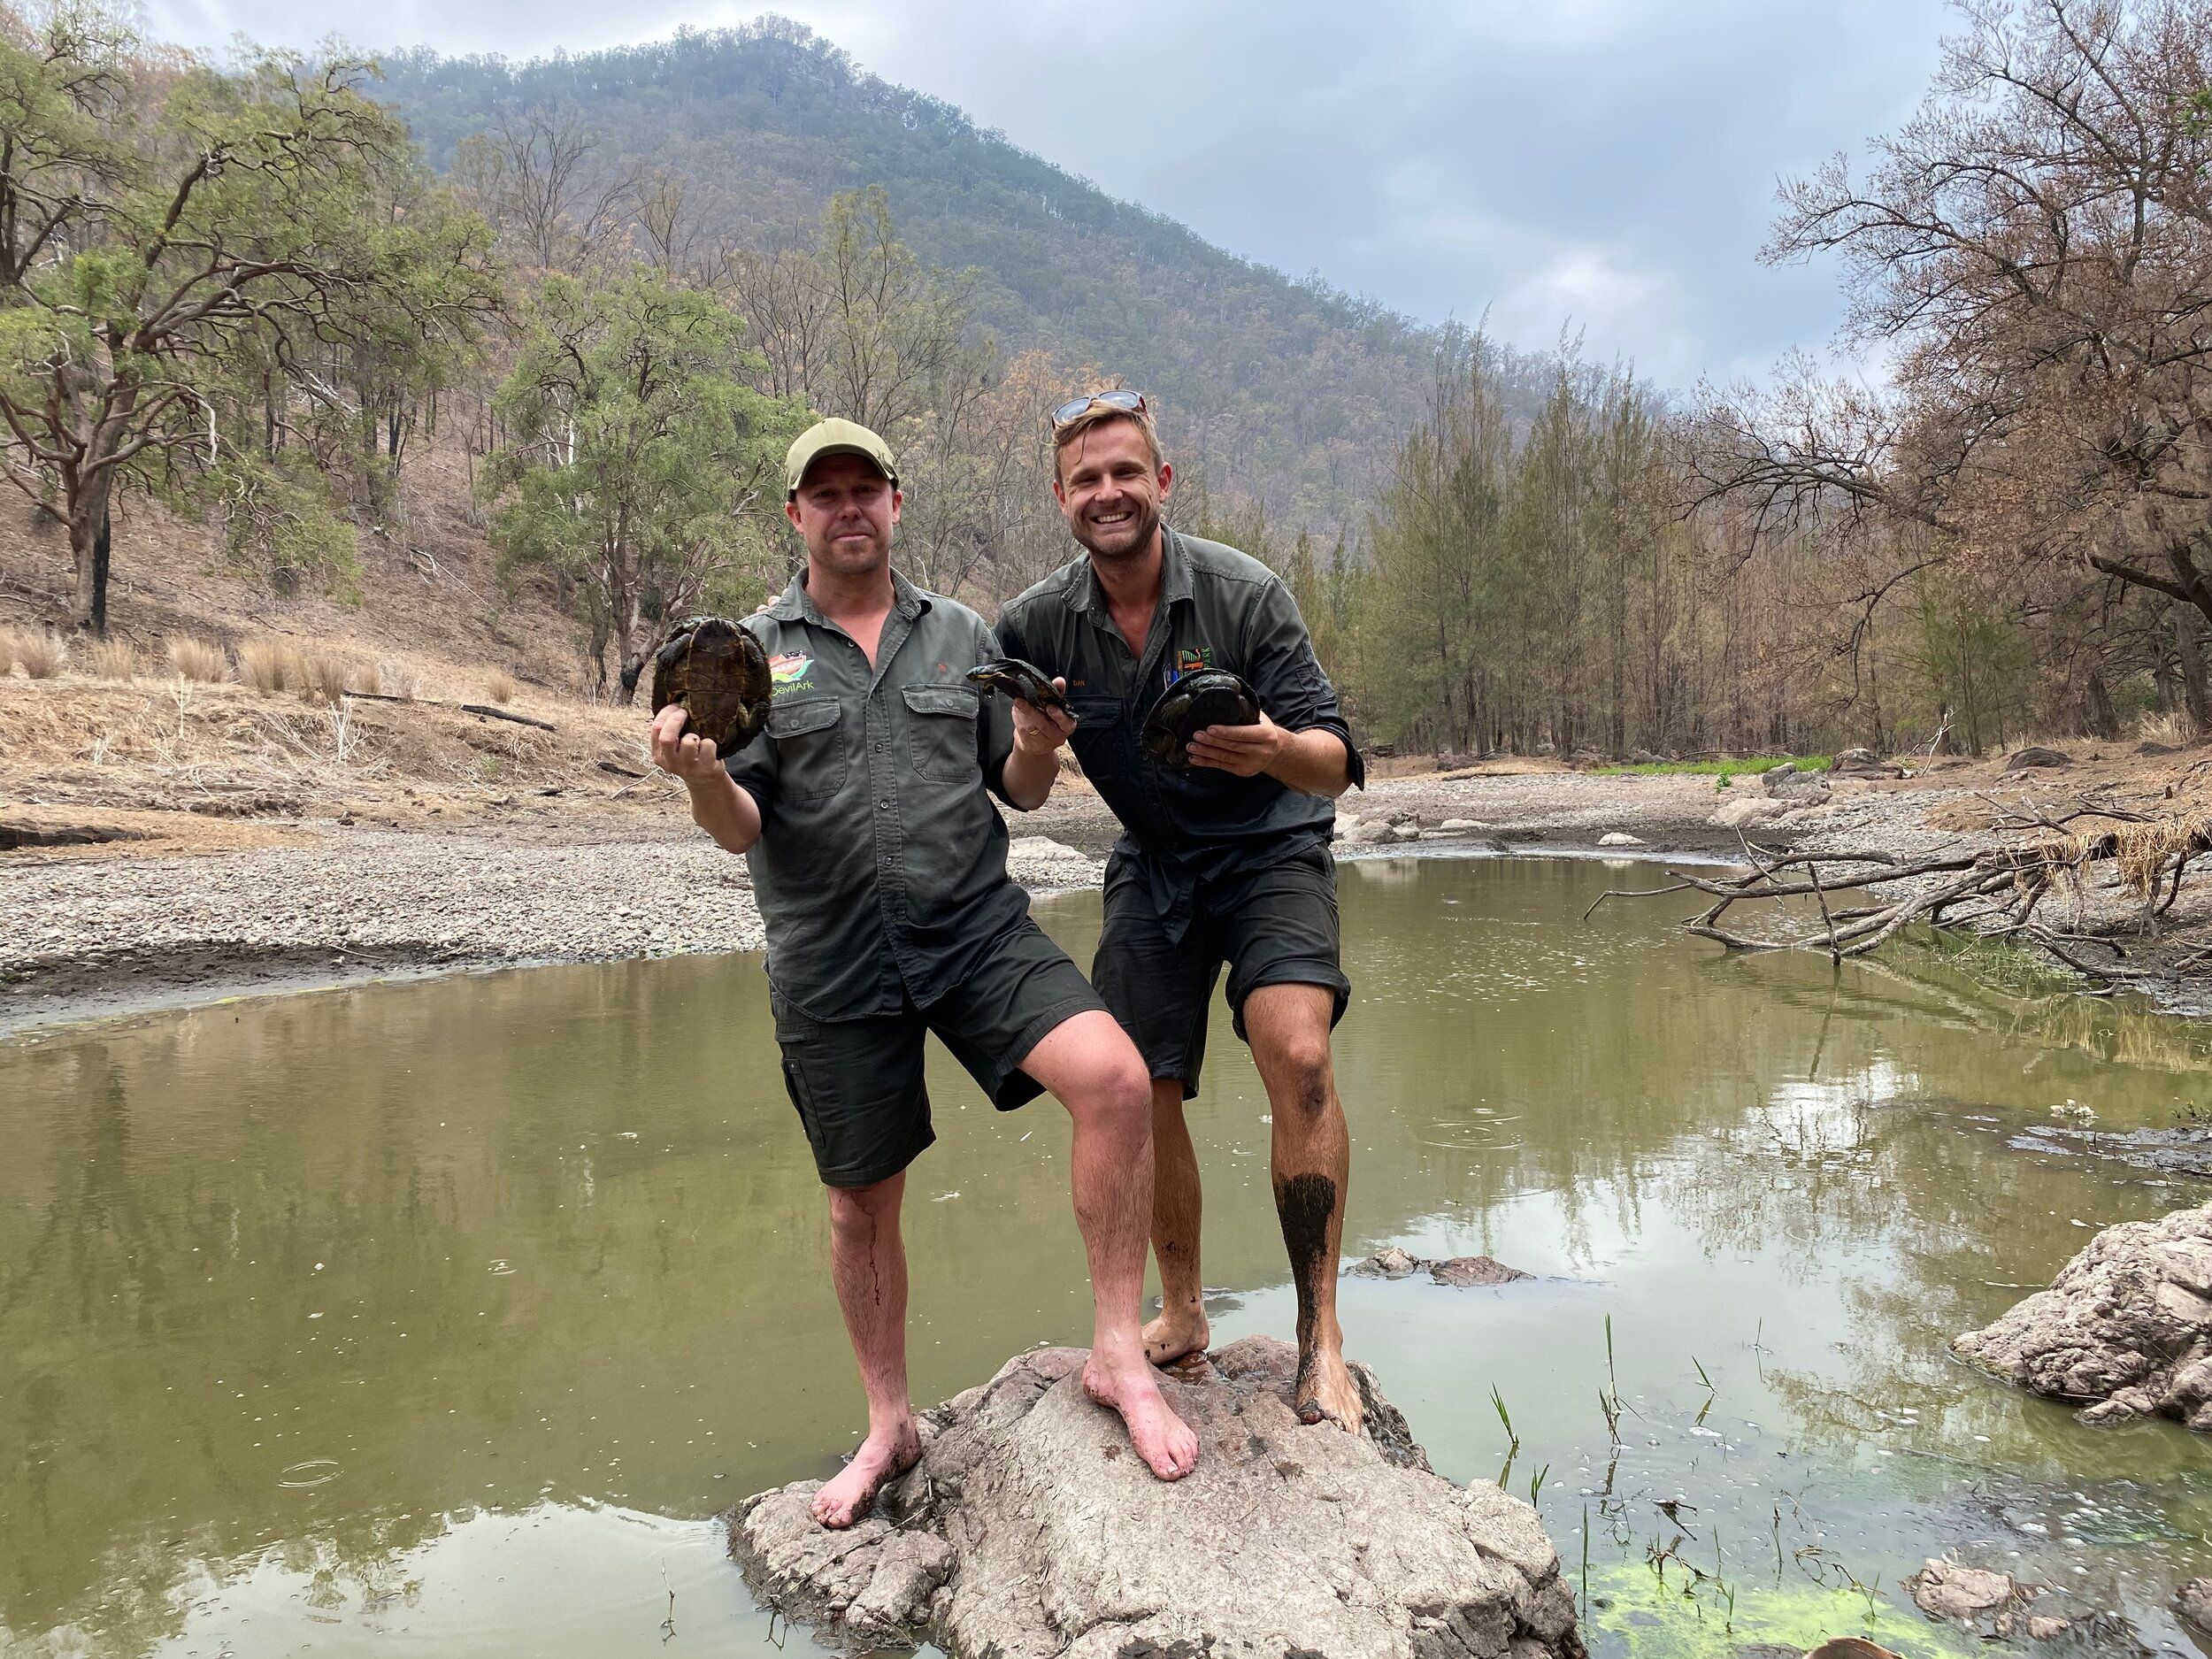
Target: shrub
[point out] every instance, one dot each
(501, 688)
(197, 659)
(38, 652)
(112, 659)
(2171, 728)
(394, 679)
(272, 664)
(325, 676)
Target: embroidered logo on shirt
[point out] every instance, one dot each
(1190, 662)
(788, 673)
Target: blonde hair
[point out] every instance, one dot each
(1098, 415)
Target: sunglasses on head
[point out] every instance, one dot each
(1131, 403)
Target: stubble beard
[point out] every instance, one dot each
(1140, 532)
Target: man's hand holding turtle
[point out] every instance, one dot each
(1040, 731)
(1244, 750)
(680, 753)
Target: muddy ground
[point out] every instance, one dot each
(169, 841)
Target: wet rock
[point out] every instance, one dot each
(2127, 1326)
(2193, 1602)
(2034, 757)
(1619, 838)
(1946, 1590)
(1388, 1263)
(1030, 1529)
(1462, 825)
(1468, 1272)
(1848, 1647)
(1521, 832)
(1406, 832)
(2043, 1627)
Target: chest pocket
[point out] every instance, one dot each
(811, 757)
(1101, 735)
(940, 728)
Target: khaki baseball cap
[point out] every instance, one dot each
(836, 437)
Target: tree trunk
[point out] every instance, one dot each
(2196, 696)
(2097, 712)
(90, 541)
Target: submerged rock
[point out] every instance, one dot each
(1030, 1529)
(1460, 1271)
(2125, 1328)
(2193, 1602)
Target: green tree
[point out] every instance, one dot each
(638, 463)
(158, 218)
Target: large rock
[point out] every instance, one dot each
(2034, 755)
(1863, 762)
(1030, 1529)
(1744, 811)
(1799, 788)
(2127, 1326)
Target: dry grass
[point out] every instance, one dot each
(111, 659)
(272, 664)
(325, 676)
(38, 652)
(501, 688)
(395, 679)
(2171, 728)
(197, 659)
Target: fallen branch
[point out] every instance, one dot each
(484, 709)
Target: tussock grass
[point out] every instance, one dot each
(2171, 728)
(272, 664)
(197, 659)
(325, 676)
(38, 652)
(111, 659)
(501, 688)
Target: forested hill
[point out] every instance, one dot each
(1287, 393)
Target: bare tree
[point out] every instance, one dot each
(538, 176)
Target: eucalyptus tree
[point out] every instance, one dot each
(159, 218)
(638, 463)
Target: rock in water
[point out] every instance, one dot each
(2127, 1326)
(1030, 1531)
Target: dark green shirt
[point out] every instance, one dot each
(1218, 608)
(882, 864)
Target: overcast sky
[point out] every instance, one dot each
(1605, 165)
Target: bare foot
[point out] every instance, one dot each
(882, 1458)
(1176, 1331)
(1163, 1440)
(1326, 1391)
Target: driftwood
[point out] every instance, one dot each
(1992, 893)
(483, 709)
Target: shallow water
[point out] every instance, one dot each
(440, 1316)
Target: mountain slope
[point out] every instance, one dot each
(1283, 392)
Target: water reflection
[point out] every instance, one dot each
(319, 1297)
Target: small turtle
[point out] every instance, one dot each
(1017, 678)
(719, 673)
(1211, 697)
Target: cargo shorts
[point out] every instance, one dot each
(857, 1083)
(1274, 926)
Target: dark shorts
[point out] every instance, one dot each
(1272, 927)
(857, 1083)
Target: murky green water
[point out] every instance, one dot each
(438, 1318)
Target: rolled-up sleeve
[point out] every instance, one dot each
(994, 721)
(1287, 678)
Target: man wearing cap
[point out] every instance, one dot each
(1225, 863)
(880, 864)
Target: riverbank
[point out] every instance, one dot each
(131, 907)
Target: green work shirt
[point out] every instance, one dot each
(1218, 608)
(882, 864)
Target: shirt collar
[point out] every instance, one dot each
(1083, 592)
(795, 604)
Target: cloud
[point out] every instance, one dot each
(1604, 164)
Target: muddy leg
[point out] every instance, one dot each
(1289, 1026)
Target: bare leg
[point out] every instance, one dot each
(1177, 1207)
(1288, 1026)
(1091, 1065)
(868, 1267)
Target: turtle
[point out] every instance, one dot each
(719, 673)
(1016, 679)
(1212, 696)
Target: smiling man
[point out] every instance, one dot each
(880, 864)
(1227, 863)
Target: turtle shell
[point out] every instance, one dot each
(719, 673)
(1212, 696)
(1016, 679)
